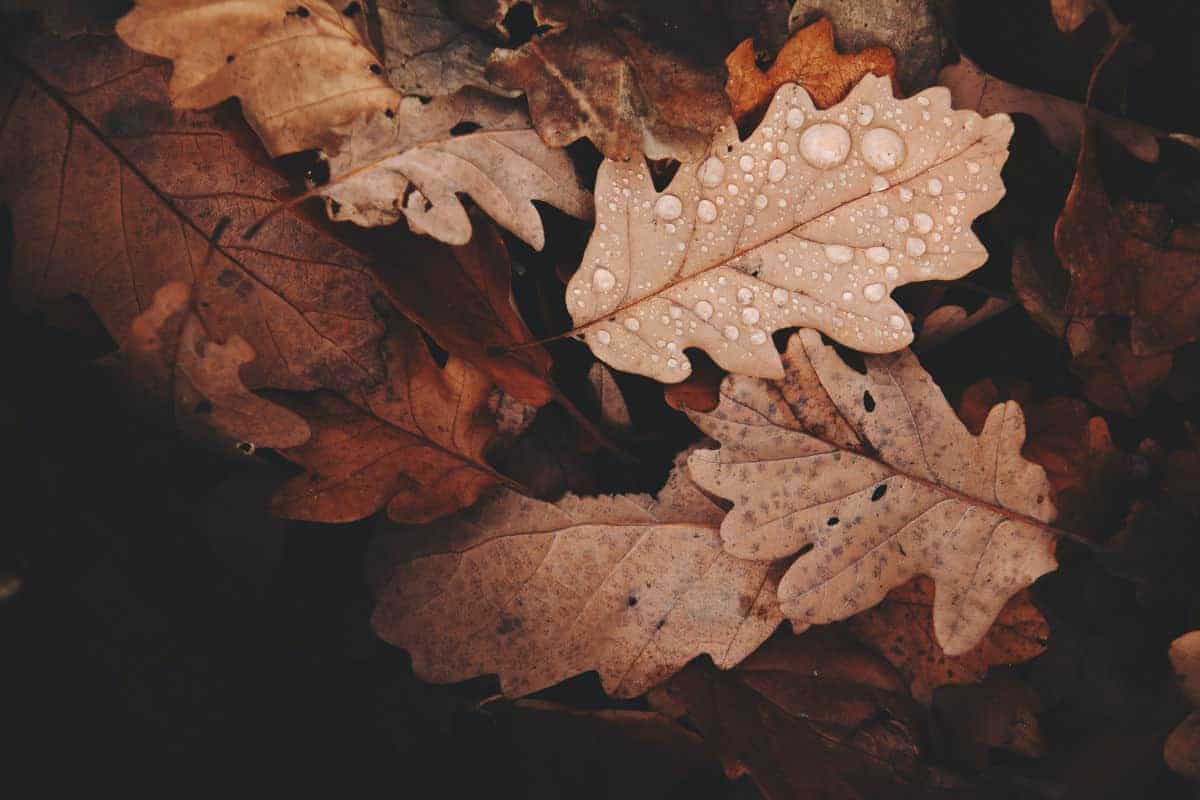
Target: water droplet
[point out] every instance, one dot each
(906, 194)
(776, 170)
(878, 255)
(706, 211)
(668, 207)
(676, 312)
(879, 184)
(881, 211)
(923, 100)
(748, 220)
(758, 337)
(732, 188)
(973, 167)
(915, 246)
(603, 337)
(901, 224)
(760, 202)
(780, 296)
(672, 363)
(923, 222)
(746, 162)
(839, 253)
(934, 186)
(712, 172)
(603, 280)
(847, 297)
(825, 145)
(750, 315)
(745, 296)
(883, 149)
(632, 324)
(704, 310)
(784, 147)
(732, 332)
(866, 113)
(874, 292)
(896, 321)
(795, 118)
(891, 273)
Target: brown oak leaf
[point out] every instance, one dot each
(877, 475)
(900, 629)
(810, 59)
(999, 714)
(1182, 748)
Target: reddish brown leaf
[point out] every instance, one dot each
(1000, 714)
(701, 391)
(900, 629)
(810, 59)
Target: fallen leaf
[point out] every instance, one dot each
(813, 716)
(415, 165)
(901, 630)
(462, 297)
(911, 29)
(301, 72)
(1070, 14)
(613, 409)
(113, 194)
(429, 53)
(414, 443)
(1000, 714)
(1062, 121)
(945, 322)
(701, 391)
(809, 59)
(811, 221)
(878, 477)
(628, 585)
(603, 82)
(1120, 263)
(1182, 748)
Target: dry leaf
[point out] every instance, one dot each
(602, 81)
(613, 410)
(301, 71)
(1070, 14)
(428, 53)
(1182, 748)
(414, 165)
(901, 630)
(811, 221)
(945, 322)
(1122, 261)
(414, 443)
(113, 195)
(1062, 121)
(876, 474)
(628, 585)
(809, 59)
(814, 716)
(702, 389)
(1000, 714)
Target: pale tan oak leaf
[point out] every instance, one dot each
(811, 221)
(869, 480)
(630, 586)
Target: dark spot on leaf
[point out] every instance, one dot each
(508, 624)
(868, 402)
(879, 492)
(464, 127)
(352, 10)
(390, 114)
(632, 601)
(229, 58)
(302, 12)
(832, 521)
(376, 69)
(658, 625)
(227, 278)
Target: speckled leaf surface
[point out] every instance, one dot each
(811, 222)
(881, 479)
(630, 586)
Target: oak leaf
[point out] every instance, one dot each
(810, 59)
(1000, 714)
(1182, 748)
(114, 194)
(630, 586)
(878, 476)
(945, 322)
(901, 630)
(811, 221)
(413, 444)
(1070, 14)
(614, 411)
(809, 716)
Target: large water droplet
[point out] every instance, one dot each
(934, 186)
(896, 321)
(746, 162)
(915, 246)
(603, 280)
(704, 310)
(668, 207)
(906, 194)
(750, 315)
(922, 222)
(839, 253)
(603, 337)
(883, 149)
(758, 337)
(706, 211)
(825, 145)
(866, 113)
(795, 118)
(847, 297)
(874, 292)
(712, 172)
(780, 296)
(732, 332)
(878, 255)
(776, 170)
(745, 296)
(879, 184)
(632, 324)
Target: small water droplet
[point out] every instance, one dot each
(760, 202)
(839, 253)
(704, 310)
(847, 297)
(780, 296)
(668, 207)
(632, 324)
(934, 186)
(973, 167)
(795, 118)
(750, 315)
(896, 321)
(915, 246)
(879, 184)
(906, 194)
(732, 188)
(866, 113)
(776, 170)
(603, 280)
(883, 149)
(672, 363)
(758, 337)
(676, 312)
(825, 145)
(881, 211)
(732, 332)
(712, 172)
(603, 337)
(706, 211)
(923, 100)
(878, 255)
(901, 224)
(922, 222)
(746, 162)
(891, 273)
(874, 292)
(745, 296)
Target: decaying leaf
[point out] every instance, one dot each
(1070, 14)
(810, 59)
(945, 322)
(1062, 121)
(811, 221)
(876, 474)
(1124, 259)
(613, 409)
(414, 165)
(901, 630)
(413, 444)
(303, 72)
(1182, 748)
(114, 194)
(813, 716)
(601, 81)
(429, 53)
(630, 586)
(700, 392)
(1000, 714)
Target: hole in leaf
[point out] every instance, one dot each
(352, 10)
(464, 127)
(662, 172)
(246, 448)
(302, 12)
(879, 492)
(868, 402)
(521, 25)
(632, 601)
(376, 69)
(832, 521)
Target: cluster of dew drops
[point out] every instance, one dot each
(824, 145)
